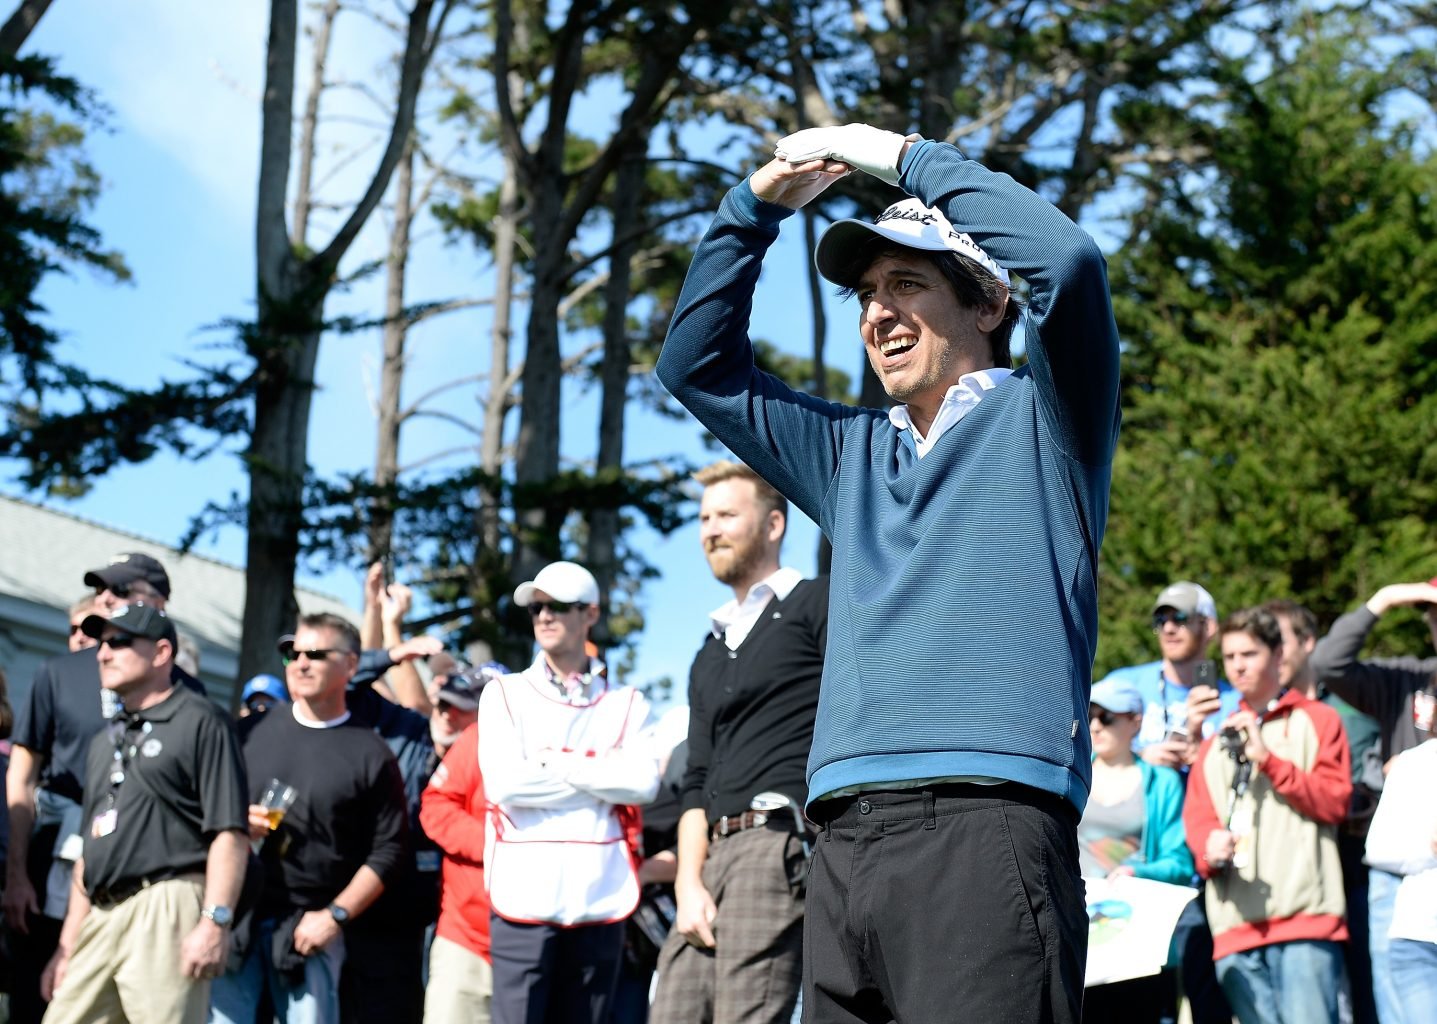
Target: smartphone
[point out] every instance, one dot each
(1179, 733)
(1205, 674)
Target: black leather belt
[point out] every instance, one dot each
(107, 896)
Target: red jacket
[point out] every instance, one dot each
(1286, 884)
(452, 812)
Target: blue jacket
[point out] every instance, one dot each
(963, 597)
(1166, 857)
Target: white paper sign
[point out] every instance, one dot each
(1130, 926)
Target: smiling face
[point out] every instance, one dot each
(918, 337)
(1182, 642)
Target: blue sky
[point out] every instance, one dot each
(180, 160)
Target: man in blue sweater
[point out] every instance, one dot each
(950, 759)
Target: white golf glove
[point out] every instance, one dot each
(859, 145)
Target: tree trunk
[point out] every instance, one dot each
(614, 376)
(391, 374)
(291, 294)
(18, 26)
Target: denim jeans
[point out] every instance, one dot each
(1285, 983)
(1414, 975)
(1381, 893)
(235, 998)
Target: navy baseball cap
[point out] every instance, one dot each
(133, 567)
(136, 618)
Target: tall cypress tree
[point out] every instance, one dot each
(1277, 306)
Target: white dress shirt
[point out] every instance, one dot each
(961, 399)
(734, 620)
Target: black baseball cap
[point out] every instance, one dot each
(137, 619)
(133, 567)
(462, 689)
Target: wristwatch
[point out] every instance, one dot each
(340, 915)
(222, 916)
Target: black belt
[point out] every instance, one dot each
(107, 896)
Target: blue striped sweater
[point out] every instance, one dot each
(963, 599)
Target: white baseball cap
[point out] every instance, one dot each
(908, 223)
(563, 581)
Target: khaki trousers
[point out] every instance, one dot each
(461, 985)
(126, 962)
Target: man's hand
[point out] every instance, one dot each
(54, 974)
(258, 822)
(1203, 702)
(19, 903)
(1246, 722)
(661, 867)
(1397, 595)
(1220, 848)
(397, 601)
(416, 647)
(795, 185)
(860, 146)
(204, 951)
(316, 929)
(695, 915)
(1167, 753)
(374, 583)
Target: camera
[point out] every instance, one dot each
(1233, 743)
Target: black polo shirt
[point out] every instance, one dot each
(62, 712)
(184, 782)
(751, 710)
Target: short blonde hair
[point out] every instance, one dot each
(727, 469)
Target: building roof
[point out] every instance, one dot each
(48, 552)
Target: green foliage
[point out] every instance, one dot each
(1279, 309)
(46, 188)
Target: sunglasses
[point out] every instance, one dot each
(1161, 619)
(119, 641)
(123, 590)
(289, 655)
(1103, 715)
(75, 627)
(555, 607)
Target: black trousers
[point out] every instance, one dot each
(544, 974)
(957, 903)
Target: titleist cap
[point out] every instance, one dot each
(908, 223)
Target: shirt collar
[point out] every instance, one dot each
(778, 584)
(969, 391)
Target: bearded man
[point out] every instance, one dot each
(735, 952)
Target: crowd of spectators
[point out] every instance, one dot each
(392, 832)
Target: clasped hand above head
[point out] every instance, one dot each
(811, 160)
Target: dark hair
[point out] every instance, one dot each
(340, 627)
(972, 285)
(1303, 622)
(1257, 623)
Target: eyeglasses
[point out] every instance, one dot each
(1103, 715)
(288, 654)
(555, 607)
(119, 641)
(1161, 619)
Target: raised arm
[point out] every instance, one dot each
(707, 363)
(1069, 331)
